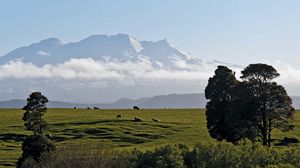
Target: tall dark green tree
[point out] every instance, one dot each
(218, 91)
(34, 145)
(271, 106)
(34, 111)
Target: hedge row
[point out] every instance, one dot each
(213, 155)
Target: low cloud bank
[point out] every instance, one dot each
(90, 69)
(141, 69)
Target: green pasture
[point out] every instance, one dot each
(75, 127)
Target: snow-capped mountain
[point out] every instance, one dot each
(120, 47)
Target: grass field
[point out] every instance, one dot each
(94, 127)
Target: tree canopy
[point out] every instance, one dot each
(34, 111)
(259, 72)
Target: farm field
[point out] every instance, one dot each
(70, 127)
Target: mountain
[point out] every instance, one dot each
(18, 103)
(162, 101)
(104, 47)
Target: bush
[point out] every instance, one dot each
(164, 157)
(212, 155)
(246, 154)
(78, 157)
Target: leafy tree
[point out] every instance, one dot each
(271, 107)
(34, 111)
(218, 91)
(34, 145)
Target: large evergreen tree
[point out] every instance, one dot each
(34, 145)
(218, 91)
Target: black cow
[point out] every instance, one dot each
(136, 119)
(155, 119)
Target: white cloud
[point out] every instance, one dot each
(141, 70)
(90, 69)
(289, 75)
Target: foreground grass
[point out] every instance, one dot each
(71, 127)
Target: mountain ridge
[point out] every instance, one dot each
(192, 100)
(120, 46)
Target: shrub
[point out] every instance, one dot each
(245, 154)
(78, 157)
(212, 155)
(164, 157)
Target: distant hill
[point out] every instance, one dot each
(18, 103)
(162, 101)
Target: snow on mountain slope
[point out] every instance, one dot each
(34, 53)
(136, 44)
(120, 47)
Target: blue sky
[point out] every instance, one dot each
(236, 31)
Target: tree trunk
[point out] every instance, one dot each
(264, 129)
(264, 137)
(269, 133)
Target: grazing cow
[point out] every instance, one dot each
(88, 108)
(96, 108)
(136, 108)
(155, 119)
(119, 116)
(136, 119)
(75, 107)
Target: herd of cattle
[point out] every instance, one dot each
(136, 119)
(97, 108)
